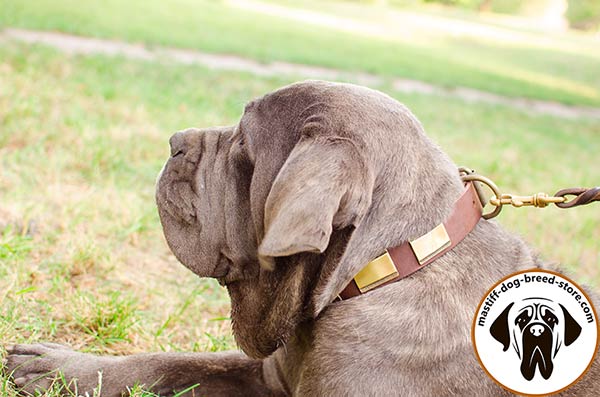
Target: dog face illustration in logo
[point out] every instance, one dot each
(537, 329)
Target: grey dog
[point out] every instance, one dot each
(284, 208)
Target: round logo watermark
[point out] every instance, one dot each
(535, 332)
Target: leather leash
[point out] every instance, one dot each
(583, 196)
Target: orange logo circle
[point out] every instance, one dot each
(535, 332)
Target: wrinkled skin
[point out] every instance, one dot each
(214, 236)
(284, 208)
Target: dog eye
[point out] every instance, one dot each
(550, 319)
(522, 318)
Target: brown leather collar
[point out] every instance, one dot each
(401, 261)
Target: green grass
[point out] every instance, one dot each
(440, 49)
(82, 257)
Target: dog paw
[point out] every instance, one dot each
(36, 368)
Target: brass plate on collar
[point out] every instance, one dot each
(377, 272)
(430, 244)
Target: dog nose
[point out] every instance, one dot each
(177, 143)
(536, 330)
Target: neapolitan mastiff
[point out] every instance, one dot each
(285, 208)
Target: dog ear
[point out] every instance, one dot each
(500, 330)
(572, 327)
(323, 185)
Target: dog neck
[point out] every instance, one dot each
(412, 204)
(411, 256)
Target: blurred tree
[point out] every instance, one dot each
(581, 14)
(584, 14)
(485, 5)
(461, 3)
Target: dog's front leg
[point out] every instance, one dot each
(43, 366)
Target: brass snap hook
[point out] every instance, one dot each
(539, 200)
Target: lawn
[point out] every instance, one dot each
(82, 257)
(444, 50)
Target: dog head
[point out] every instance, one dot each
(537, 329)
(286, 206)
